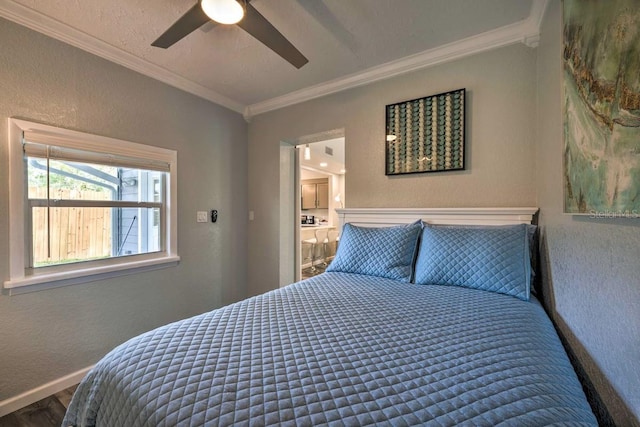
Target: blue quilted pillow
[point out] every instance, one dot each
(493, 258)
(383, 252)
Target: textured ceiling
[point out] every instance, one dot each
(341, 38)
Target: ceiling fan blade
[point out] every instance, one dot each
(256, 25)
(190, 21)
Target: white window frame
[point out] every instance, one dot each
(24, 279)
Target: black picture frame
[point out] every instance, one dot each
(426, 134)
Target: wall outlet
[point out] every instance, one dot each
(201, 216)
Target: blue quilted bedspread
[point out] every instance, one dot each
(342, 349)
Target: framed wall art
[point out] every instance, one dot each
(601, 108)
(426, 134)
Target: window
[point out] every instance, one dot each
(86, 207)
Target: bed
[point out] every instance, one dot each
(414, 323)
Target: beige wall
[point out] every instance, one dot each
(49, 334)
(513, 159)
(591, 269)
(500, 160)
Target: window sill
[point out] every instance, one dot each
(39, 282)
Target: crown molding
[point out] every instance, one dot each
(526, 31)
(533, 23)
(50, 27)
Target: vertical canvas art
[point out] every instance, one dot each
(601, 109)
(425, 134)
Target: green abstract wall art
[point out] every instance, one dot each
(426, 134)
(601, 107)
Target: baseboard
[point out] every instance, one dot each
(32, 396)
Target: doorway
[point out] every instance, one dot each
(322, 190)
(318, 162)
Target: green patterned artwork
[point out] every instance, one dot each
(426, 134)
(601, 108)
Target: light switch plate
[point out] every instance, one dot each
(201, 216)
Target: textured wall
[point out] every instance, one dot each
(46, 335)
(500, 146)
(592, 265)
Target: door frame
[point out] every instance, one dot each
(290, 246)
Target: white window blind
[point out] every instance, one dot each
(48, 147)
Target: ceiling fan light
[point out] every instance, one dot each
(223, 11)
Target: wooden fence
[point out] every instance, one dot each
(76, 233)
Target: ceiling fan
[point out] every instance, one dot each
(239, 12)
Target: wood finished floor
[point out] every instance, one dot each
(320, 268)
(47, 412)
(306, 273)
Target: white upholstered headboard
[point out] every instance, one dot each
(380, 217)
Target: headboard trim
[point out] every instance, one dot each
(380, 217)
